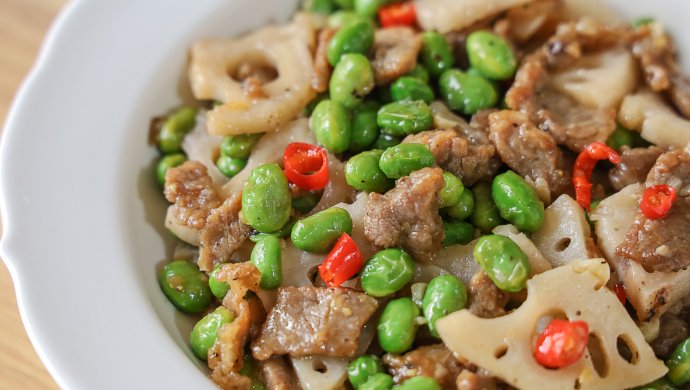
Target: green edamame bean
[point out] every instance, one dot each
(345, 4)
(397, 325)
(419, 72)
(331, 125)
(624, 137)
(444, 295)
(387, 272)
(218, 289)
(659, 384)
(167, 162)
(352, 80)
(266, 257)
(385, 141)
(343, 17)
(503, 261)
(250, 369)
(306, 202)
(437, 55)
(467, 93)
(679, 364)
(459, 232)
(378, 381)
(644, 21)
(463, 209)
(283, 232)
(404, 118)
(403, 159)
(485, 214)
(318, 6)
(185, 286)
(356, 37)
(451, 192)
(309, 109)
(230, 166)
(239, 146)
(419, 383)
(266, 199)
(362, 368)
(365, 130)
(369, 8)
(491, 55)
(363, 173)
(517, 202)
(175, 128)
(317, 233)
(411, 88)
(205, 332)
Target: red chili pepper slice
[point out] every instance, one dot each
(342, 263)
(584, 165)
(657, 201)
(619, 289)
(400, 14)
(306, 166)
(562, 343)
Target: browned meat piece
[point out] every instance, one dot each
(571, 124)
(395, 53)
(277, 375)
(634, 167)
(322, 68)
(658, 56)
(672, 331)
(485, 299)
(452, 153)
(226, 357)
(407, 216)
(435, 361)
(468, 380)
(446, 145)
(661, 244)
(680, 94)
(190, 188)
(222, 234)
(311, 320)
(530, 152)
(664, 244)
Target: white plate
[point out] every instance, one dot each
(82, 215)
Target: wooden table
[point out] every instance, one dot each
(23, 24)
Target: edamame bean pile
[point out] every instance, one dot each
(349, 190)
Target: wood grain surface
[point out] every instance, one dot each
(23, 24)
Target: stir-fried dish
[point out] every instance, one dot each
(434, 194)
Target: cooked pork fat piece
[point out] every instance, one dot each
(634, 167)
(226, 357)
(314, 321)
(407, 216)
(435, 361)
(530, 152)
(395, 53)
(664, 244)
(190, 189)
(322, 69)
